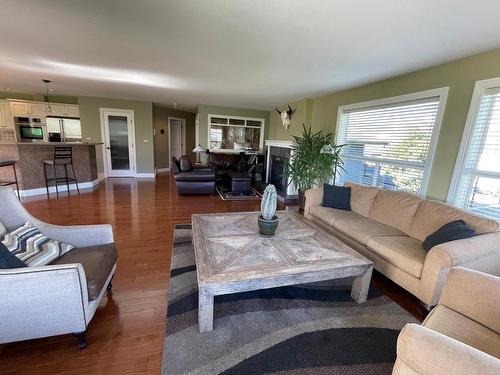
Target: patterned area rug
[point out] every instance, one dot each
(305, 329)
(227, 195)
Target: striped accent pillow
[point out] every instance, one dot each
(28, 244)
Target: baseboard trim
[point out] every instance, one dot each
(162, 170)
(61, 188)
(145, 175)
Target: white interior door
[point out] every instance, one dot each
(119, 142)
(177, 137)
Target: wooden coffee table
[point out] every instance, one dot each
(232, 257)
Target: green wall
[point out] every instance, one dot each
(162, 144)
(302, 114)
(143, 117)
(459, 76)
(205, 110)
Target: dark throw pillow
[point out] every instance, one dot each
(9, 260)
(185, 163)
(175, 166)
(337, 197)
(455, 230)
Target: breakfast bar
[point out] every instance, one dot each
(29, 159)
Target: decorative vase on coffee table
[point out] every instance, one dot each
(267, 220)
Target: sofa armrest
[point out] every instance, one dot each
(42, 301)
(475, 295)
(313, 197)
(480, 252)
(77, 235)
(423, 351)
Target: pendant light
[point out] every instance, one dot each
(49, 109)
(327, 148)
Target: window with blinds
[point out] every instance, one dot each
(390, 142)
(476, 182)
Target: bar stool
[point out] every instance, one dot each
(62, 156)
(12, 163)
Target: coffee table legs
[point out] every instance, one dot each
(360, 286)
(359, 293)
(205, 310)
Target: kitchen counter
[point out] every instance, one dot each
(29, 167)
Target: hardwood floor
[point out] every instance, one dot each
(126, 334)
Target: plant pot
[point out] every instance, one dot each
(302, 199)
(268, 227)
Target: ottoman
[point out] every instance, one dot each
(239, 183)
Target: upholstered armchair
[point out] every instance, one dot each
(461, 335)
(61, 297)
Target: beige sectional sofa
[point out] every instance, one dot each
(461, 335)
(389, 227)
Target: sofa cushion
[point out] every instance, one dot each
(338, 197)
(457, 326)
(185, 164)
(403, 252)
(362, 198)
(329, 215)
(195, 176)
(362, 229)
(97, 262)
(395, 208)
(176, 168)
(432, 215)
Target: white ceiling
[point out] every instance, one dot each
(248, 53)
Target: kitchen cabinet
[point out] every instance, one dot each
(39, 109)
(65, 110)
(20, 109)
(32, 109)
(6, 119)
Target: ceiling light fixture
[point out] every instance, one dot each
(174, 105)
(49, 109)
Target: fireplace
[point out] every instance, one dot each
(277, 177)
(278, 157)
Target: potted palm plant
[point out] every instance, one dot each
(314, 160)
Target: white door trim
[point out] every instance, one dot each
(129, 113)
(183, 148)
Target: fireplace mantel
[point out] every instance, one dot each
(276, 143)
(291, 191)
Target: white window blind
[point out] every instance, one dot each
(390, 145)
(478, 173)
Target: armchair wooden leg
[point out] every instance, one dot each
(82, 341)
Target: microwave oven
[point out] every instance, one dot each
(31, 129)
(31, 133)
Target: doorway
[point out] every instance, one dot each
(177, 137)
(117, 129)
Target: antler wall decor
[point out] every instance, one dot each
(286, 116)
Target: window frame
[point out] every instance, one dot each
(441, 93)
(229, 150)
(480, 88)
